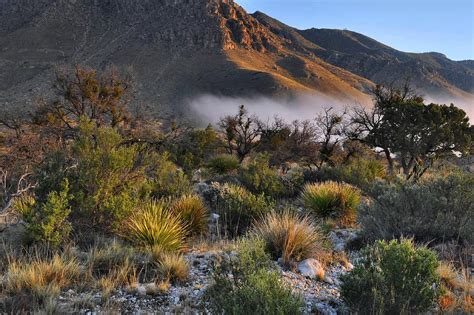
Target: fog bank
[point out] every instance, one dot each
(210, 108)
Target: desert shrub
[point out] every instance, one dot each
(244, 283)
(392, 278)
(168, 179)
(259, 177)
(41, 277)
(331, 200)
(108, 178)
(236, 206)
(193, 213)
(439, 209)
(289, 236)
(105, 178)
(223, 164)
(293, 182)
(47, 221)
(192, 147)
(358, 172)
(154, 224)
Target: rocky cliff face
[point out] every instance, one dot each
(177, 48)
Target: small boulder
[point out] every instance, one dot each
(311, 268)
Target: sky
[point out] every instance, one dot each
(445, 26)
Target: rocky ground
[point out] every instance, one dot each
(321, 294)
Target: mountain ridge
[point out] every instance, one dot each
(178, 49)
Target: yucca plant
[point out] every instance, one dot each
(331, 199)
(154, 224)
(290, 236)
(193, 213)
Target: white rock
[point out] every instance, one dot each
(141, 290)
(310, 268)
(215, 217)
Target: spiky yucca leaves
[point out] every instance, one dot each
(331, 199)
(154, 224)
(290, 236)
(193, 213)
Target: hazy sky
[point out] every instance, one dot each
(444, 26)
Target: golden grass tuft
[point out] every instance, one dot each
(122, 276)
(172, 267)
(458, 287)
(41, 277)
(290, 236)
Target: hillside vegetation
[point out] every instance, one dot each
(108, 210)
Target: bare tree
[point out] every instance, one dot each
(330, 128)
(240, 133)
(12, 188)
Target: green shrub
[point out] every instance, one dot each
(236, 206)
(290, 236)
(154, 224)
(440, 209)
(331, 200)
(392, 278)
(193, 147)
(169, 180)
(359, 172)
(193, 213)
(107, 180)
(223, 164)
(244, 283)
(259, 177)
(47, 221)
(293, 182)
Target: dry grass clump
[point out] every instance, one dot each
(290, 236)
(156, 225)
(112, 255)
(122, 276)
(170, 266)
(332, 200)
(458, 289)
(41, 277)
(193, 213)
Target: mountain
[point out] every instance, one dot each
(433, 73)
(180, 49)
